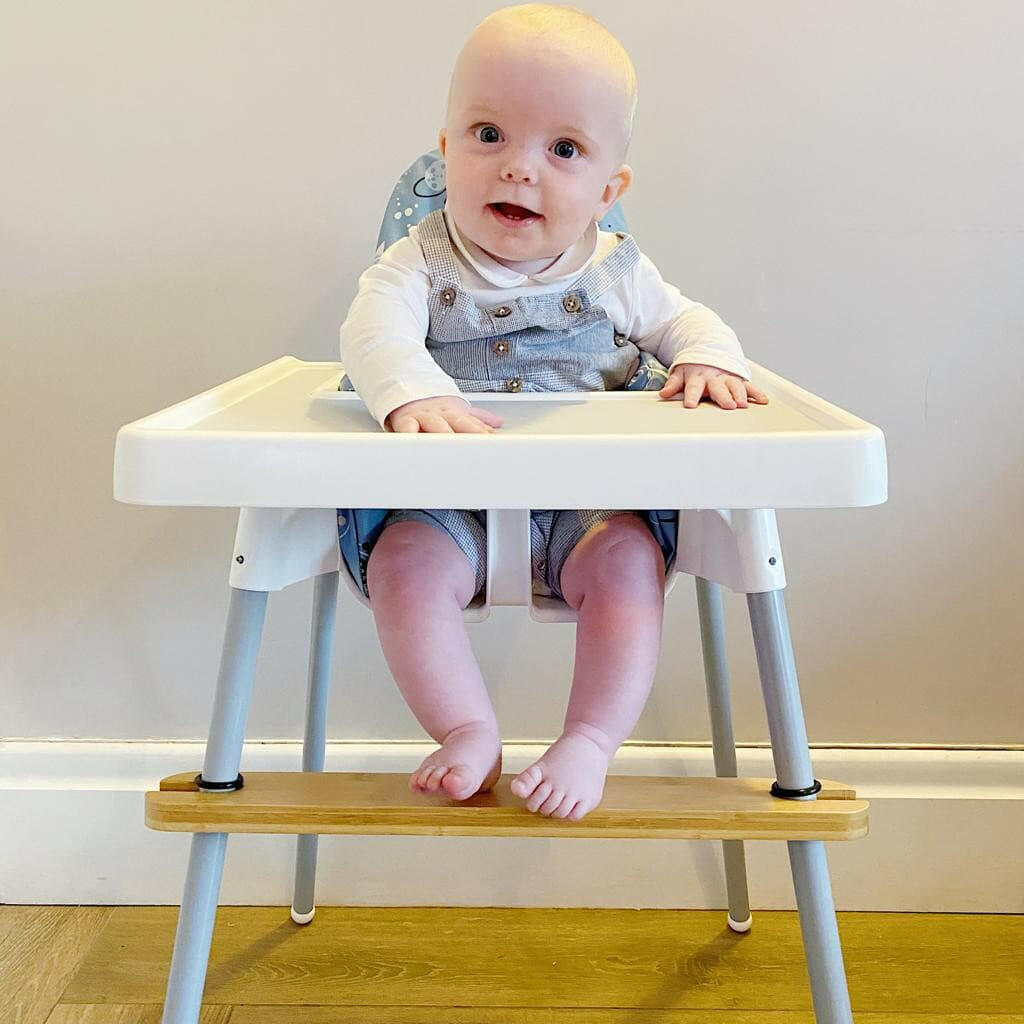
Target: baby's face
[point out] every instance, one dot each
(532, 146)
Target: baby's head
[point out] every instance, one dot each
(539, 116)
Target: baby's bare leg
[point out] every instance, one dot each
(419, 582)
(615, 579)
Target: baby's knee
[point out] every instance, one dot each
(618, 556)
(417, 560)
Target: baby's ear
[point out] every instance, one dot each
(618, 185)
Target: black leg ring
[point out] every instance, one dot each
(219, 787)
(793, 794)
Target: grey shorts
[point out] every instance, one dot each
(553, 535)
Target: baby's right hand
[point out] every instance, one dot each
(446, 414)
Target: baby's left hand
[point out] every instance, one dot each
(726, 389)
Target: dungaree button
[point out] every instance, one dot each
(514, 384)
(501, 347)
(571, 303)
(502, 311)
(447, 296)
(619, 341)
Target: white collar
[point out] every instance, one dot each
(569, 264)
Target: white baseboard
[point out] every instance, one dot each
(947, 834)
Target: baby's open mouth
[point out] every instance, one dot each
(511, 212)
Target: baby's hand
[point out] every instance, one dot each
(727, 389)
(446, 414)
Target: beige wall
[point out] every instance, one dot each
(191, 190)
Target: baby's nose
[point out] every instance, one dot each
(519, 171)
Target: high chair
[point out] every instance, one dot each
(296, 456)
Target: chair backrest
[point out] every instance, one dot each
(421, 190)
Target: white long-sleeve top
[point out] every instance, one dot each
(383, 346)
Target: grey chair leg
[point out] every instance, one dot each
(223, 756)
(716, 676)
(793, 773)
(321, 647)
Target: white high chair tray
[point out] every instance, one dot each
(282, 436)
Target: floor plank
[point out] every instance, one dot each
(83, 1014)
(77, 1013)
(591, 959)
(40, 950)
(506, 1015)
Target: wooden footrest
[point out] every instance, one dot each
(633, 807)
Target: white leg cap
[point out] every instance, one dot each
(302, 918)
(736, 926)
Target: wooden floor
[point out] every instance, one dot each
(100, 965)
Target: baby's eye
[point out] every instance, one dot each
(565, 149)
(488, 133)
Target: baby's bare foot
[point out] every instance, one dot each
(468, 762)
(568, 780)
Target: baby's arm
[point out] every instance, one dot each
(701, 352)
(384, 355)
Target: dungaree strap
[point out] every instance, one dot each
(437, 251)
(621, 260)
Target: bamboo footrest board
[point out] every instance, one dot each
(633, 807)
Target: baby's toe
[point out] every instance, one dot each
(539, 795)
(432, 779)
(526, 781)
(553, 801)
(563, 809)
(577, 811)
(459, 782)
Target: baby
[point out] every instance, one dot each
(513, 287)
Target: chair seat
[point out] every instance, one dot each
(633, 807)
